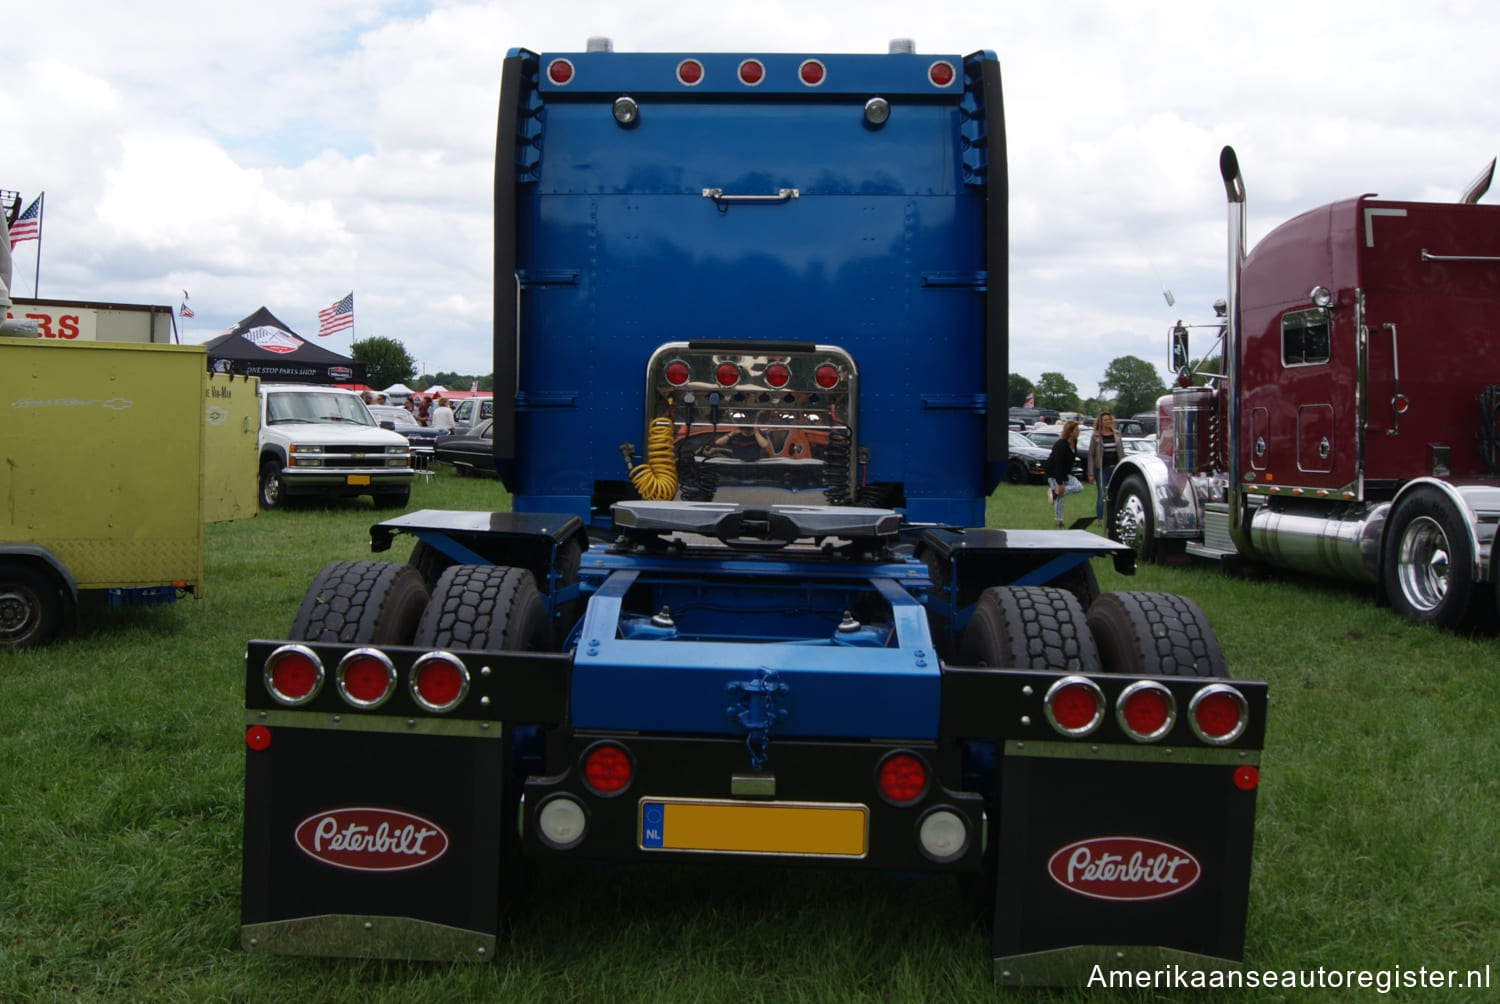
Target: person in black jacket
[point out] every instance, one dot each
(1061, 481)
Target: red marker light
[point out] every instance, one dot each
(366, 678)
(728, 374)
(752, 72)
(1218, 714)
(1074, 705)
(293, 675)
(1146, 711)
(257, 737)
(559, 71)
(826, 376)
(777, 375)
(902, 778)
(941, 73)
(439, 682)
(1246, 778)
(607, 768)
(677, 373)
(690, 71)
(811, 72)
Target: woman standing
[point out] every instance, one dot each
(1105, 451)
(1061, 480)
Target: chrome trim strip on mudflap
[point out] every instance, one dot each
(1075, 965)
(1132, 754)
(368, 937)
(356, 722)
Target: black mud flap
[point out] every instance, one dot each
(1120, 857)
(374, 843)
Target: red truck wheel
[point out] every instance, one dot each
(1427, 567)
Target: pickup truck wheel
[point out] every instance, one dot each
(1133, 523)
(361, 602)
(272, 491)
(1155, 634)
(1427, 566)
(485, 607)
(31, 607)
(1028, 627)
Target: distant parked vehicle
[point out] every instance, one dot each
(1028, 461)
(400, 421)
(471, 411)
(472, 454)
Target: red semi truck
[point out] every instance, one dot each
(1350, 428)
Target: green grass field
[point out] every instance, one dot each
(121, 757)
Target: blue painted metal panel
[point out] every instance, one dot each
(882, 254)
(685, 686)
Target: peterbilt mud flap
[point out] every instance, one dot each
(373, 844)
(1120, 858)
(380, 799)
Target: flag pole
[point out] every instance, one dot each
(41, 214)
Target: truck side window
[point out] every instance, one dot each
(1304, 337)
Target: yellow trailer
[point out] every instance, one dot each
(112, 457)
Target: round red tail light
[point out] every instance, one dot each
(1146, 711)
(940, 73)
(752, 72)
(1218, 714)
(677, 372)
(902, 778)
(439, 682)
(366, 678)
(728, 374)
(607, 768)
(559, 71)
(777, 375)
(690, 71)
(811, 72)
(826, 376)
(294, 675)
(1074, 705)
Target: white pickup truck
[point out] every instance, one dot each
(323, 441)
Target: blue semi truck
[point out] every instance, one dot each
(750, 362)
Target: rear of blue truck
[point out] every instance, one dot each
(750, 362)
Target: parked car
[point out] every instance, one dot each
(1028, 461)
(471, 411)
(400, 421)
(1140, 444)
(471, 454)
(323, 441)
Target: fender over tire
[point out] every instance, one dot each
(361, 602)
(1427, 569)
(1155, 634)
(1028, 627)
(485, 607)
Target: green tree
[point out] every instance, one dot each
(1056, 391)
(1019, 388)
(386, 361)
(1203, 367)
(1135, 383)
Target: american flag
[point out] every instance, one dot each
(336, 317)
(185, 311)
(28, 226)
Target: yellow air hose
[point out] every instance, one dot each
(656, 479)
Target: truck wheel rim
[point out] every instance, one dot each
(18, 611)
(1130, 523)
(1422, 563)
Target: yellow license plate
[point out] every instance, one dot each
(723, 827)
(357, 479)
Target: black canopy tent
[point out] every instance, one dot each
(262, 346)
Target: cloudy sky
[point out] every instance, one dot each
(286, 152)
